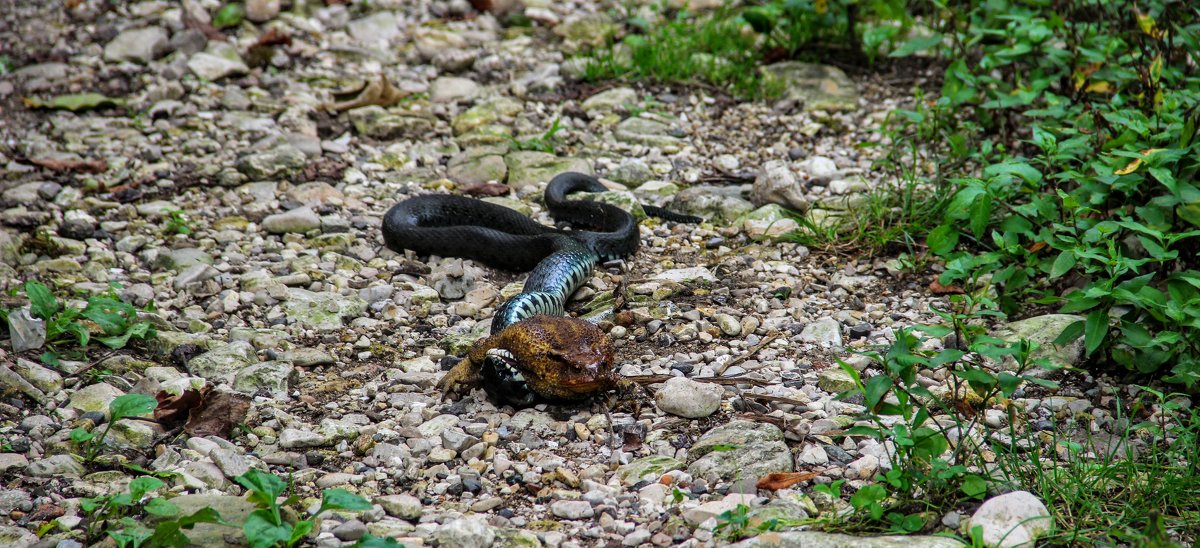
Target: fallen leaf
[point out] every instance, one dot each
(274, 37)
(204, 412)
(1036, 247)
(75, 102)
(173, 409)
(378, 92)
(217, 414)
(487, 189)
(782, 480)
(481, 5)
(89, 166)
(937, 288)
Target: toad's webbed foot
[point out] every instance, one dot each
(460, 379)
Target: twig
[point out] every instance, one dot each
(89, 366)
(761, 344)
(775, 399)
(726, 381)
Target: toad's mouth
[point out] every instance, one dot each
(503, 378)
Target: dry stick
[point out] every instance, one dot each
(762, 344)
(89, 366)
(775, 399)
(655, 379)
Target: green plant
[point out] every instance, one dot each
(177, 222)
(6, 65)
(543, 143)
(925, 474)
(118, 516)
(266, 528)
(123, 407)
(1108, 491)
(116, 320)
(230, 15)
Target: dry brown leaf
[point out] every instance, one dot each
(207, 29)
(173, 410)
(217, 414)
(937, 288)
(782, 480)
(1036, 247)
(487, 189)
(378, 92)
(88, 166)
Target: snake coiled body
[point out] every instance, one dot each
(559, 262)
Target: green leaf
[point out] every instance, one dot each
(41, 301)
(974, 486)
(1008, 383)
(131, 405)
(760, 19)
(1062, 264)
(299, 531)
(230, 15)
(867, 431)
(80, 435)
(943, 239)
(875, 389)
(262, 531)
(139, 330)
(203, 515)
(265, 487)
(1189, 213)
(341, 499)
(981, 213)
(142, 485)
(110, 314)
(916, 44)
(1095, 330)
(75, 102)
(161, 507)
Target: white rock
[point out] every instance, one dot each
(688, 398)
(1012, 519)
(449, 89)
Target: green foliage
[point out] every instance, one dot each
(122, 517)
(115, 321)
(1133, 489)
(123, 407)
(230, 15)
(1072, 127)
(543, 143)
(177, 223)
(266, 528)
(736, 524)
(926, 474)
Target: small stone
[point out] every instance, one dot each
(292, 438)
(1012, 519)
(377, 28)
(813, 454)
(826, 331)
(863, 468)
(466, 532)
(27, 332)
(835, 381)
(300, 220)
(449, 89)
(406, 507)
(138, 45)
(572, 509)
(218, 61)
(281, 161)
(57, 465)
(350, 531)
(261, 11)
(688, 398)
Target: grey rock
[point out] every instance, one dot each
(194, 274)
(137, 45)
(529, 168)
(632, 172)
(261, 11)
(406, 507)
(188, 41)
(778, 184)
(826, 331)
(350, 530)
(277, 377)
(572, 509)
(375, 29)
(449, 89)
(26, 332)
(57, 465)
(758, 450)
(769, 221)
(183, 258)
(95, 397)
(16, 536)
(234, 509)
(486, 112)
(646, 468)
(815, 87)
(278, 162)
(46, 380)
(10, 461)
(379, 123)
(834, 380)
(14, 499)
(477, 166)
(12, 381)
(715, 203)
(613, 99)
(322, 311)
(643, 131)
(1012, 519)
(465, 532)
(231, 463)
(1043, 330)
(818, 168)
(688, 398)
(301, 219)
(688, 275)
(293, 438)
(223, 362)
(218, 61)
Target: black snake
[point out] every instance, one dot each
(559, 260)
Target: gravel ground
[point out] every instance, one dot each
(283, 290)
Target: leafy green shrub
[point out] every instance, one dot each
(1088, 200)
(122, 407)
(266, 528)
(118, 515)
(115, 319)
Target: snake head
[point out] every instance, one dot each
(546, 357)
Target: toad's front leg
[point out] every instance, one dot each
(460, 379)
